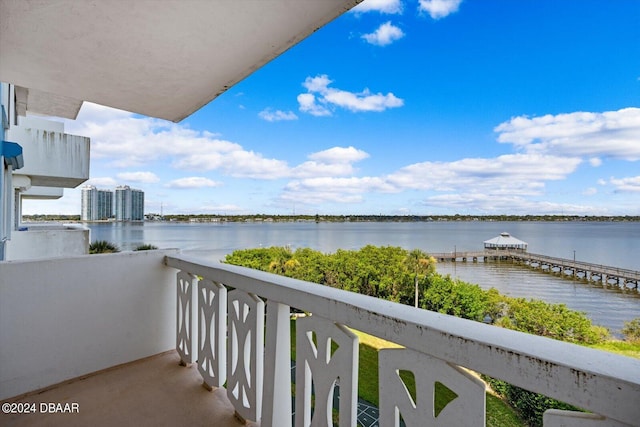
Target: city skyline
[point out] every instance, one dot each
(122, 204)
(404, 108)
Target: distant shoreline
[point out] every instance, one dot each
(349, 218)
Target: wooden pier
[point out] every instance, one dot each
(595, 273)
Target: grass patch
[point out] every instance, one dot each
(501, 414)
(623, 348)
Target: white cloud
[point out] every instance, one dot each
(331, 189)
(313, 169)
(125, 140)
(595, 162)
(317, 83)
(308, 104)
(106, 182)
(145, 177)
(590, 191)
(386, 34)
(439, 8)
(492, 203)
(339, 155)
(192, 182)
(507, 183)
(509, 177)
(336, 161)
(624, 185)
(355, 102)
(277, 115)
(382, 6)
(612, 134)
(522, 174)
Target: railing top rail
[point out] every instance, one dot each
(601, 382)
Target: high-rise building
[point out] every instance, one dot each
(96, 204)
(129, 204)
(105, 204)
(137, 205)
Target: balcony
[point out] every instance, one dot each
(132, 318)
(42, 193)
(42, 240)
(52, 158)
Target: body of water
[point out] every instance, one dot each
(609, 243)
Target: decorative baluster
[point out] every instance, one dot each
(277, 374)
(212, 324)
(559, 418)
(186, 317)
(245, 353)
(321, 366)
(467, 409)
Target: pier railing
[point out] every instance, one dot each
(573, 268)
(234, 323)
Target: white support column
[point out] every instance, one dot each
(212, 333)
(326, 356)
(186, 322)
(276, 396)
(245, 354)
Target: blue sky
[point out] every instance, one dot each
(404, 107)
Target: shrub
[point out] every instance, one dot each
(145, 247)
(631, 330)
(454, 297)
(547, 320)
(103, 247)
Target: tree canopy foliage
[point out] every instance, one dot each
(386, 272)
(394, 273)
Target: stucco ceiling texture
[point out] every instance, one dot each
(163, 59)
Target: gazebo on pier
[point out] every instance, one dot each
(505, 241)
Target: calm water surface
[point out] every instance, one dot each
(609, 243)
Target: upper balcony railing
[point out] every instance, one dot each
(47, 240)
(221, 313)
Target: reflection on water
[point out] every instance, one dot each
(609, 307)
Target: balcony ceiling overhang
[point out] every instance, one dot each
(163, 59)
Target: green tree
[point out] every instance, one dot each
(265, 259)
(420, 265)
(457, 298)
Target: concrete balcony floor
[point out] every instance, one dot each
(155, 391)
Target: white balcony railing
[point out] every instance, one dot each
(222, 330)
(64, 318)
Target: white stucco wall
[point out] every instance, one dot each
(63, 318)
(52, 158)
(42, 193)
(47, 242)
